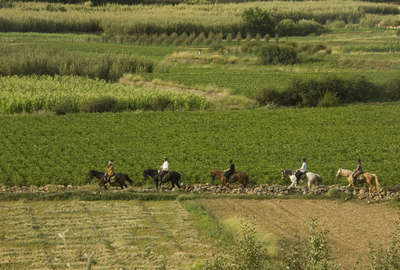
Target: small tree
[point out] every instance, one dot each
(259, 21)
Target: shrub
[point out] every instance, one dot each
(306, 27)
(329, 99)
(309, 92)
(258, 21)
(312, 48)
(101, 104)
(286, 27)
(313, 254)
(5, 4)
(277, 54)
(66, 106)
(387, 259)
(392, 90)
(268, 95)
(248, 253)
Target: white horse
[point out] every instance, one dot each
(312, 178)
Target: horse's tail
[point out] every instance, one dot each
(246, 180)
(378, 186)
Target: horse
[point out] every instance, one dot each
(286, 172)
(363, 178)
(173, 177)
(120, 179)
(312, 178)
(241, 177)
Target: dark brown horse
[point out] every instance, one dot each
(241, 177)
(120, 179)
(173, 177)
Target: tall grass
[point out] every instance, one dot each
(72, 94)
(27, 61)
(226, 18)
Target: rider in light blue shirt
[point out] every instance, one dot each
(302, 170)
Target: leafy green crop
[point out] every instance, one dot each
(42, 148)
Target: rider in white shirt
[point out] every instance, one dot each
(302, 170)
(164, 168)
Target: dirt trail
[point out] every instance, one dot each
(351, 225)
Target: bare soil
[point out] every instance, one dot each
(351, 225)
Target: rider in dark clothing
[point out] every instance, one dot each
(358, 171)
(230, 171)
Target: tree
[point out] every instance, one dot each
(258, 21)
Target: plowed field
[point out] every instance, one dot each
(351, 225)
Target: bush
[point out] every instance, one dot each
(66, 106)
(387, 259)
(101, 104)
(277, 54)
(392, 90)
(268, 95)
(258, 21)
(313, 254)
(309, 92)
(329, 99)
(285, 28)
(248, 253)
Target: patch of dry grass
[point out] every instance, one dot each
(104, 235)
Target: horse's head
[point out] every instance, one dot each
(213, 175)
(90, 175)
(339, 172)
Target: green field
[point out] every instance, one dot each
(44, 148)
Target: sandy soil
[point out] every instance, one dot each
(351, 225)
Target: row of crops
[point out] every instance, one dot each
(44, 148)
(73, 94)
(151, 19)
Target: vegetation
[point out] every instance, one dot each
(43, 148)
(73, 94)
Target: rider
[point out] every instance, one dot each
(302, 170)
(110, 171)
(164, 169)
(358, 171)
(230, 171)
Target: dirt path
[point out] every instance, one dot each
(351, 225)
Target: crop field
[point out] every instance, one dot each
(44, 148)
(163, 235)
(352, 227)
(106, 235)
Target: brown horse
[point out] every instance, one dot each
(241, 177)
(363, 178)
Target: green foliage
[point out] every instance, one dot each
(57, 62)
(268, 95)
(389, 258)
(247, 253)
(45, 148)
(277, 54)
(314, 254)
(258, 21)
(64, 94)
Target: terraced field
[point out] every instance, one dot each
(111, 235)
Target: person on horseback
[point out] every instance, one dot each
(110, 174)
(230, 171)
(164, 169)
(358, 171)
(302, 170)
